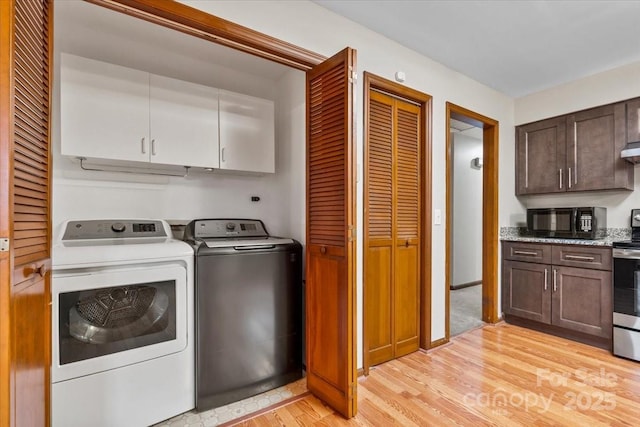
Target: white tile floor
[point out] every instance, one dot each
(223, 414)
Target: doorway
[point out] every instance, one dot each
(397, 226)
(476, 295)
(466, 233)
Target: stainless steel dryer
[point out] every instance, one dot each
(248, 309)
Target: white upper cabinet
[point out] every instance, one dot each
(183, 123)
(104, 110)
(247, 134)
(109, 112)
(117, 113)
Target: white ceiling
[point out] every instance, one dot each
(515, 47)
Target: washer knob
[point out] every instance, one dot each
(118, 227)
(636, 217)
(231, 226)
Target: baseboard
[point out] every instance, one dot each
(465, 285)
(438, 343)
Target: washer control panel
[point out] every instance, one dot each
(113, 229)
(216, 228)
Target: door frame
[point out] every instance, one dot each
(490, 153)
(374, 82)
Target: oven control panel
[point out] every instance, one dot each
(113, 229)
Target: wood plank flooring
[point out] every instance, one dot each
(497, 375)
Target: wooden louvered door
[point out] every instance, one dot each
(330, 249)
(392, 228)
(25, 61)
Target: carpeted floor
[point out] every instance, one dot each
(465, 309)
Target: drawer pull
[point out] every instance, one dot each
(580, 258)
(527, 253)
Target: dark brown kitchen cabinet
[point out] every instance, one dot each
(633, 120)
(541, 156)
(561, 289)
(574, 152)
(595, 138)
(525, 288)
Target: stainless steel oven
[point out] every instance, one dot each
(626, 293)
(626, 302)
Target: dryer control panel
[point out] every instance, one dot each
(113, 229)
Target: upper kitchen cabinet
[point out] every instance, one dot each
(633, 120)
(247, 134)
(116, 113)
(595, 139)
(576, 152)
(540, 157)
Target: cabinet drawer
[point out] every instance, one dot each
(582, 256)
(527, 252)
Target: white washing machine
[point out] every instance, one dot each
(122, 324)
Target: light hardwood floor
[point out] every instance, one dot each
(497, 375)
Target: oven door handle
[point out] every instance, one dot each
(626, 254)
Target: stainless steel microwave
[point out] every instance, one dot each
(569, 223)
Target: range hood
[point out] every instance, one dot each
(631, 152)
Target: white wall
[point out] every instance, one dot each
(291, 150)
(599, 89)
(308, 25)
(467, 210)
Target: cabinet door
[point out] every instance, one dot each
(633, 120)
(104, 110)
(183, 122)
(247, 135)
(595, 139)
(525, 290)
(540, 157)
(581, 300)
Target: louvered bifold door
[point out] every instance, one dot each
(379, 229)
(392, 228)
(25, 215)
(406, 295)
(330, 245)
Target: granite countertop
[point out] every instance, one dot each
(515, 234)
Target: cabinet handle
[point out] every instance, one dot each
(580, 258)
(560, 173)
(142, 146)
(555, 281)
(569, 177)
(526, 160)
(153, 147)
(546, 274)
(222, 154)
(575, 153)
(406, 243)
(526, 253)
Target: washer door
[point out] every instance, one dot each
(111, 317)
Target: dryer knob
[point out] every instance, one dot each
(231, 226)
(118, 227)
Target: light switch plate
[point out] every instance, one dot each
(437, 217)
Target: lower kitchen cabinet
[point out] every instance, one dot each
(559, 296)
